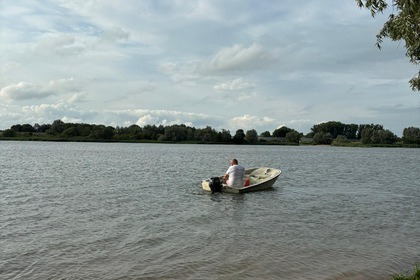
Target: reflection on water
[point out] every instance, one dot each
(110, 211)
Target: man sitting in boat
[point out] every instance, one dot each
(234, 176)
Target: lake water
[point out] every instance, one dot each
(136, 211)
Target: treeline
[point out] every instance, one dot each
(338, 133)
(333, 132)
(173, 133)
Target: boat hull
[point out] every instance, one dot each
(261, 178)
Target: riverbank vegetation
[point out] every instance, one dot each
(328, 133)
(415, 275)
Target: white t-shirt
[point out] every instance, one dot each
(236, 176)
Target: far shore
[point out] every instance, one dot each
(354, 144)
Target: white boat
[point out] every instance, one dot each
(260, 178)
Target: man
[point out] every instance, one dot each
(234, 176)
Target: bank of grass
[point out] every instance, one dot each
(415, 275)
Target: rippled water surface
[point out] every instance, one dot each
(134, 211)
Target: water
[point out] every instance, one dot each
(136, 211)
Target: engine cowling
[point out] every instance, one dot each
(215, 184)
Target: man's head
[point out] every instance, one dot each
(234, 161)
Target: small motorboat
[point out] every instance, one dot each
(256, 179)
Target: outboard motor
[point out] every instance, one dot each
(215, 184)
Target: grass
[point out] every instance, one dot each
(415, 275)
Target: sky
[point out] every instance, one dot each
(237, 64)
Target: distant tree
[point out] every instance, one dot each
(41, 128)
(340, 140)
(152, 132)
(176, 133)
(57, 127)
(251, 136)
(132, 132)
(403, 24)
(323, 138)
(101, 132)
(16, 127)
(332, 127)
(225, 136)
(9, 133)
(383, 136)
(375, 134)
(373, 127)
(293, 137)
(411, 135)
(350, 131)
(84, 129)
(27, 128)
(265, 134)
(366, 135)
(207, 134)
(281, 131)
(310, 134)
(71, 132)
(239, 137)
(37, 127)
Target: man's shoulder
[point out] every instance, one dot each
(240, 167)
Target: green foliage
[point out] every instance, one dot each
(350, 131)
(415, 275)
(71, 132)
(239, 137)
(372, 126)
(341, 140)
(100, 132)
(293, 137)
(323, 138)
(377, 135)
(370, 134)
(207, 134)
(281, 132)
(251, 136)
(57, 127)
(225, 136)
(403, 24)
(9, 133)
(384, 136)
(178, 133)
(336, 128)
(265, 134)
(411, 135)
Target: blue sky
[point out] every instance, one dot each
(227, 64)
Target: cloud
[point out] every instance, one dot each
(59, 44)
(24, 91)
(78, 98)
(234, 59)
(169, 117)
(236, 85)
(27, 91)
(247, 122)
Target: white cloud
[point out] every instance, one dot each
(147, 119)
(78, 98)
(23, 91)
(235, 58)
(27, 91)
(247, 122)
(236, 85)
